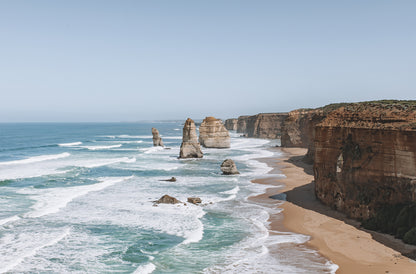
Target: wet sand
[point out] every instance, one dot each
(334, 236)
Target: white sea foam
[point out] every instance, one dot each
(36, 159)
(232, 191)
(125, 136)
(28, 171)
(101, 147)
(145, 269)
(28, 244)
(70, 144)
(9, 219)
(172, 137)
(148, 150)
(128, 142)
(103, 162)
(51, 200)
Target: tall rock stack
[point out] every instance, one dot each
(157, 140)
(213, 134)
(190, 147)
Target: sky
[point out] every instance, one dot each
(110, 61)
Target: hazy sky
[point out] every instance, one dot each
(142, 60)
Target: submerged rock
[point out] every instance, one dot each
(194, 200)
(190, 147)
(157, 140)
(166, 199)
(228, 167)
(173, 179)
(213, 134)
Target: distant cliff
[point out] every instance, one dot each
(263, 125)
(231, 124)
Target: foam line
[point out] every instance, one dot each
(50, 201)
(36, 159)
(101, 147)
(9, 219)
(33, 252)
(145, 269)
(70, 144)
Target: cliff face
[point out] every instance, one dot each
(213, 134)
(242, 124)
(298, 127)
(231, 124)
(263, 125)
(365, 157)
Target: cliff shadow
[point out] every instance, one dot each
(300, 161)
(304, 196)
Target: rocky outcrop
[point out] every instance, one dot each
(173, 179)
(228, 167)
(157, 140)
(213, 134)
(190, 147)
(166, 199)
(231, 124)
(365, 157)
(194, 200)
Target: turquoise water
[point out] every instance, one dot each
(77, 198)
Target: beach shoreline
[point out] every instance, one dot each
(334, 236)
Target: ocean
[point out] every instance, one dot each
(78, 198)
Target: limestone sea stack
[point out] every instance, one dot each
(190, 147)
(157, 140)
(228, 167)
(213, 134)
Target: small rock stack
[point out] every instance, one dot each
(157, 140)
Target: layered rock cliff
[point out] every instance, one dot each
(213, 134)
(242, 124)
(190, 147)
(231, 124)
(365, 157)
(263, 125)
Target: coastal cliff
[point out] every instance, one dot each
(263, 125)
(298, 127)
(231, 124)
(242, 124)
(365, 157)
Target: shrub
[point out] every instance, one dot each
(410, 236)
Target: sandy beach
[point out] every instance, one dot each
(336, 237)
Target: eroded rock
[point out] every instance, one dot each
(157, 140)
(228, 167)
(166, 199)
(173, 179)
(213, 134)
(194, 200)
(190, 147)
